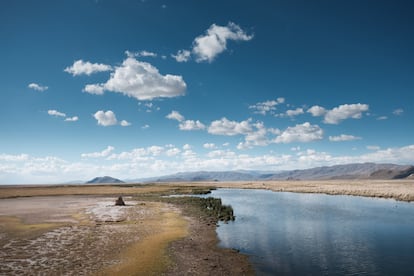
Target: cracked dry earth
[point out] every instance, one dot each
(69, 235)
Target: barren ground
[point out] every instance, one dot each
(76, 230)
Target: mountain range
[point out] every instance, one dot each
(348, 171)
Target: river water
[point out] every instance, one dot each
(316, 234)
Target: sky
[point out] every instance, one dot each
(145, 88)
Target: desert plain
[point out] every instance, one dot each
(77, 230)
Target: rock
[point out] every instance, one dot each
(119, 202)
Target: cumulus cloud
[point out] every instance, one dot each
(191, 125)
(159, 160)
(339, 113)
(175, 115)
(208, 46)
(14, 158)
(294, 112)
(125, 123)
(345, 111)
(104, 153)
(72, 119)
(108, 118)
(37, 87)
(80, 67)
(97, 89)
(343, 137)
(54, 112)
(257, 137)
(173, 152)
(266, 107)
(140, 80)
(182, 56)
(185, 124)
(209, 146)
(317, 111)
(300, 133)
(229, 128)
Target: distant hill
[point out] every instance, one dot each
(348, 171)
(394, 173)
(103, 180)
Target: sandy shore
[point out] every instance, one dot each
(77, 230)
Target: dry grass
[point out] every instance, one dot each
(402, 190)
(28, 191)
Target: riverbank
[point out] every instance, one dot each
(88, 235)
(75, 229)
(402, 190)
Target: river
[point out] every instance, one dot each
(316, 234)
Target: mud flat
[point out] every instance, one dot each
(57, 234)
(74, 235)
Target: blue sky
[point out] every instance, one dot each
(136, 89)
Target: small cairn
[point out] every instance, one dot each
(119, 201)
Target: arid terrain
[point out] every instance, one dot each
(77, 230)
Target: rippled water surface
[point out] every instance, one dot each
(314, 234)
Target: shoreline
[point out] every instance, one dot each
(184, 239)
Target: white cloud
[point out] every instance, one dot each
(398, 112)
(191, 125)
(104, 153)
(107, 118)
(81, 67)
(140, 54)
(267, 106)
(72, 119)
(146, 126)
(255, 138)
(317, 111)
(343, 137)
(294, 112)
(156, 161)
(125, 123)
(185, 124)
(172, 152)
(187, 147)
(372, 147)
(97, 89)
(300, 133)
(37, 87)
(206, 47)
(175, 115)
(209, 146)
(229, 128)
(382, 118)
(53, 112)
(182, 56)
(155, 150)
(345, 111)
(147, 54)
(14, 158)
(142, 81)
